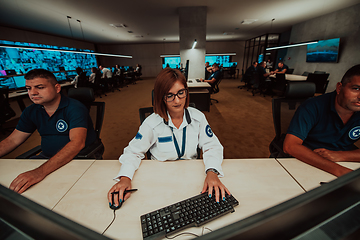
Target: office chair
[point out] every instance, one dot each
(279, 85)
(96, 149)
(290, 71)
(232, 71)
(6, 112)
(99, 86)
(260, 85)
(320, 80)
(215, 88)
(283, 110)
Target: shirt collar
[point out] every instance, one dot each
(186, 120)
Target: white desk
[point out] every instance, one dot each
(292, 77)
(199, 94)
(192, 83)
(49, 191)
(257, 183)
(308, 176)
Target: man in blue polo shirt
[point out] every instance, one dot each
(324, 129)
(282, 68)
(63, 123)
(214, 77)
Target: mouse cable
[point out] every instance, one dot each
(190, 233)
(110, 223)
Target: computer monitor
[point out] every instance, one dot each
(10, 72)
(331, 211)
(19, 81)
(19, 215)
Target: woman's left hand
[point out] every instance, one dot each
(213, 183)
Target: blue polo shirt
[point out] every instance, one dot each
(215, 75)
(317, 123)
(283, 67)
(54, 130)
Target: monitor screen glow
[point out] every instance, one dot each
(323, 51)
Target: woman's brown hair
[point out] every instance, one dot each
(164, 82)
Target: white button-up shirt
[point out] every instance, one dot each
(156, 135)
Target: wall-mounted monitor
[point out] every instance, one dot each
(323, 51)
(18, 60)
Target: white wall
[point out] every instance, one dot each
(344, 24)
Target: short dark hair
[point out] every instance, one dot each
(164, 82)
(215, 65)
(41, 73)
(353, 71)
(79, 70)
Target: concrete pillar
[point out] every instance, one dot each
(192, 25)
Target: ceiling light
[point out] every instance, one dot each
(292, 45)
(194, 44)
(118, 25)
(248, 21)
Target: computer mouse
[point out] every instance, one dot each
(113, 196)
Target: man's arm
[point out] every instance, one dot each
(15, 139)
(210, 81)
(339, 156)
(293, 146)
(66, 154)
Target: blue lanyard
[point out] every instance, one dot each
(180, 154)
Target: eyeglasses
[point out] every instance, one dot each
(180, 94)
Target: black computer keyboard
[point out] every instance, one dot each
(192, 212)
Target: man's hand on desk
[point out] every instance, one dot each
(212, 182)
(25, 180)
(121, 186)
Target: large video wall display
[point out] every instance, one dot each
(15, 60)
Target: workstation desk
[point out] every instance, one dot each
(292, 77)
(78, 190)
(199, 94)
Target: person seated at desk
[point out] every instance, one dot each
(173, 132)
(214, 77)
(63, 123)
(282, 68)
(324, 129)
(106, 72)
(263, 75)
(249, 72)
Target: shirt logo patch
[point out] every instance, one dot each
(208, 131)
(61, 126)
(138, 136)
(354, 133)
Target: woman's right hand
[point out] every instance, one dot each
(121, 186)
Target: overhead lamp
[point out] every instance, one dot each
(194, 44)
(62, 50)
(292, 45)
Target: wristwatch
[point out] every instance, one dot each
(212, 170)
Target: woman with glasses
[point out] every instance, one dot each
(172, 132)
